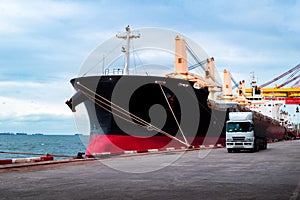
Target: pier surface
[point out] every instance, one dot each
(206, 174)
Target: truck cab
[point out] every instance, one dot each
(241, 135)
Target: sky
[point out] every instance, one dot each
(44, 43)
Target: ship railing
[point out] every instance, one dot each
(114, 71)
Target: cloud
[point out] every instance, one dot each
(38, 92)
(20, 108)
(18, 16)
(37, 37)
(43, 44)
(31, 102)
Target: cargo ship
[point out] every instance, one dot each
(178, 109)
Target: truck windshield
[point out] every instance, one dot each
(239, 127)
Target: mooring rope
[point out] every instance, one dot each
(124, 112)
(146, 123)
(174, 115)
(91, 97)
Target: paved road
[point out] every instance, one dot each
(207, 174)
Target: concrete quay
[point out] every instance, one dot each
(201, 174)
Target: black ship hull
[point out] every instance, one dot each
(138, 113)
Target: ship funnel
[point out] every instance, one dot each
(181, 66)
(227, 88)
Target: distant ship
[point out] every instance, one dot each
(37, 134)
(7, 133)
(172, 110)
(21, 133)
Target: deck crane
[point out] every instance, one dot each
(202, 64)
(199, 63)
(235, 83)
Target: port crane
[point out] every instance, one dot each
(293, 70)
(291, 95)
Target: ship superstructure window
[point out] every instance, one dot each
(179, 60)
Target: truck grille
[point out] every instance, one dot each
(238, 138)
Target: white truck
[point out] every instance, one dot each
(241, 133)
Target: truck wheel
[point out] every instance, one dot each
(266, 144)
(256, 147)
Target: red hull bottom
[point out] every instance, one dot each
(116, 144)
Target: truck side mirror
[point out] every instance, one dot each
(251, 128)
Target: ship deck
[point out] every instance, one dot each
(200, 174)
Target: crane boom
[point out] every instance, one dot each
(198, 61)
(235, 83)
(197, 65)
(296, 85)
(287, 82)
(279, 77)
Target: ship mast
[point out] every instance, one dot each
(127, 36)
(253, 84)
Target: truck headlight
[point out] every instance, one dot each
(229, 139)
(249, 139)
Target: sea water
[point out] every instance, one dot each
(68, 145)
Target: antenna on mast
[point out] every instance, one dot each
(127, 36)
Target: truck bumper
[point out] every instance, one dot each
(239, 145)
